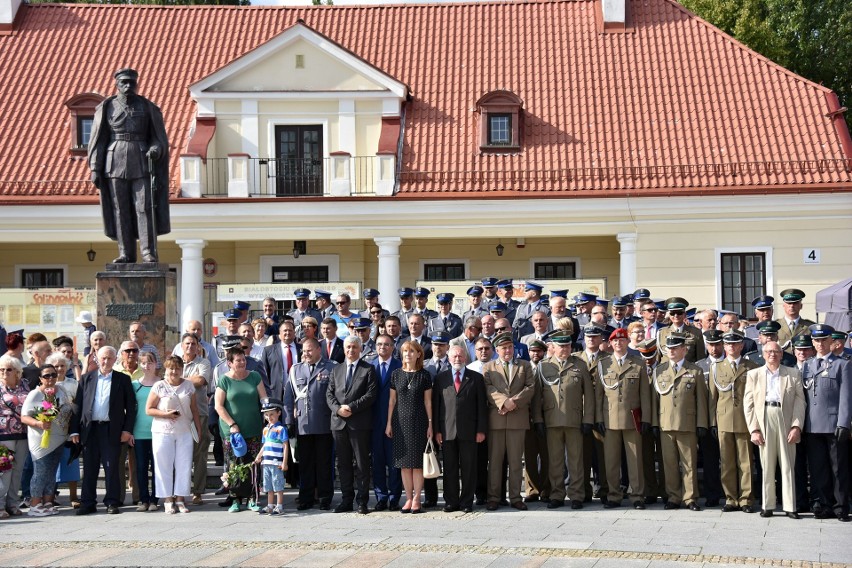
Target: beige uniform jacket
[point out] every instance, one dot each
(695, 350)
(727, 395)
(569, 402)
(624, 388)
(681, 398)
(520, 386)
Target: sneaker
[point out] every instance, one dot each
(267, 510)
(152, 507)
(197, 500)
(37, 511)
(252, 506)
(50, 508)
(235, 507)
(25, 504)
(278, 510)
(142, 507)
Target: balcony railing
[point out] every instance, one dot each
(239, 175)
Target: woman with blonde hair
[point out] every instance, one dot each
(13, 432)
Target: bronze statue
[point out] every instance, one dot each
(129, 159)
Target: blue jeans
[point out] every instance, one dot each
(26, 477)
(43, 483)
(145, 471)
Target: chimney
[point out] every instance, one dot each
(9, 10)
(614, 14)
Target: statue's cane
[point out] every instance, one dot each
(153, 204)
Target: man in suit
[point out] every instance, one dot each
(708, 446)
(648, 313)
(103, 419)
(460, 411)
(417, 332)
(406, 308)
(510, 385)
(302, 310)
(682, 414)
(792, 324)
(446, 320)
(467, 340)
(331, 346)
(278, 358)
(539, 322)
(477, 308)
(828, 391)
(624, 399)
(728, 425)
(308, 420)
(394, 330)
(559, 309)
(352, 390)
(567, 408)
(387, 479)
(774, 406)
(522, 324)
(676, 308)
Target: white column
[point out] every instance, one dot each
(192, 280)
(627, 269)
(389, 271)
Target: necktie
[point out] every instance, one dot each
(648, 332)
(349, 376)
(329, 344)
(289, 359)
(445, 324)
(312, 368)
(384, 371)
(506, 370)
(820, 364)
(458, 380)
(734, 365)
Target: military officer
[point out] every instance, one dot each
(729, 321)
(827, 380)
(652, 453)
(421, 298)
(506, 291)
(594, 463)
(302, 310)
(762, 312)
(308, 419)
(324, 305)
(803, 347)
(438, 363)
(682, 415)
(568, 411)
(522, 325)
(446, 320)
(406, 307)
(728, 424)
(536, 469)
(676, 308)
(477, 307)
(708, 446)
(624, 407)
(838, 342)
(792, 324)
(767, 330)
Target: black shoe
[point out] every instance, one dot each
(843, 517)
(650, 500)
(492, 506)
(729, 508)
(611, 505)
(555, 504)
(113, 510)
(221, 491)
(381, 506)
(671, 506)
(747, 509)
(343, 508)
(792, 515)
(363, 509)
(604, 501)
(325, 506)
(711, 503)
(468, 510)
(450, 509)
(393, 506)
(480, 502)
(304, 506)
(575, 505)
(218, 464)
(638, 505)
(227, 502)
(694, 506)
(531, 498)
(823, 513)
(86, 511)
(504, 502)
(429, 504)
(765, 514)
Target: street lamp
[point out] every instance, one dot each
(91, 253)
(500, 248)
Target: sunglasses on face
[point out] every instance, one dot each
(376, 313)
(341, 303)
(49, 376)
(501, 329)
(650, 310)
(131, 351)
(676, 312)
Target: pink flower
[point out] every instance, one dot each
(49, 391)
(46, 405)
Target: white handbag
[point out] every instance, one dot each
(431, 468)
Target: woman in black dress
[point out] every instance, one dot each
(410, 421)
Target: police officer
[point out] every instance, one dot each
(232, 326)
(446, 320)
(438, 363)
(362, 327)
(583, 303)
(406, 307)
(728, 424)
(243, 308)
(624, 407)
(421, 297)
(506, 291)
(767, 330)
(522, 325)
(371, 298)
(803, 347)
(792, 324)
(708, 446)
(682, 415)
(763, 311)
(489, 286)
(308, 420)
(324, 304)
(676, 308)
(302, 310)
(619, 319)
(477, 307)
(827, 380)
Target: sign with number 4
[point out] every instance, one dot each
(811, 256)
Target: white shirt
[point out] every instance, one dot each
(100, 405)
(773, 385)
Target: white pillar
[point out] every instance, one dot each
(389, 271)
(192, 281)
(627, 269)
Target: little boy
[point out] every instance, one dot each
(273, 456)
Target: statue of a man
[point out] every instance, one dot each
(129, 159)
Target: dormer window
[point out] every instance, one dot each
(500, 117)
(82, 109)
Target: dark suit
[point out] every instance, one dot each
(387, 479)
(352, 434)
(102, 440)
(337, 354)
(458, 417)
(272, 360)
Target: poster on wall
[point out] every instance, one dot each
(50, 311)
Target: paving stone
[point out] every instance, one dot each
(273, 558)
(227, 557)
(372, 559)
(322, 559)
(511, 561)
(88, 557)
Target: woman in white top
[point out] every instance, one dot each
(67, 472)
(172, 404)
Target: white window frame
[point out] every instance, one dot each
(266, 262)
(717, 276)
(464, 261)
(21, 267)
(575, 259)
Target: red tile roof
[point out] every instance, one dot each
(676, 105)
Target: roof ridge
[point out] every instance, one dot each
(741, 45)
(342, 7)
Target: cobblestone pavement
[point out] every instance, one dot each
(209, 536)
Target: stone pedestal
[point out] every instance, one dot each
(144, 292)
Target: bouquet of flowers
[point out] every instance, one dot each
(7, 458)
(239, 479)
(47, 411)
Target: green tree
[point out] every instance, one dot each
(812, 38)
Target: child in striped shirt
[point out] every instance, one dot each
(273, 455)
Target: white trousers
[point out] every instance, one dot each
(172, 464)
(776, 450)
